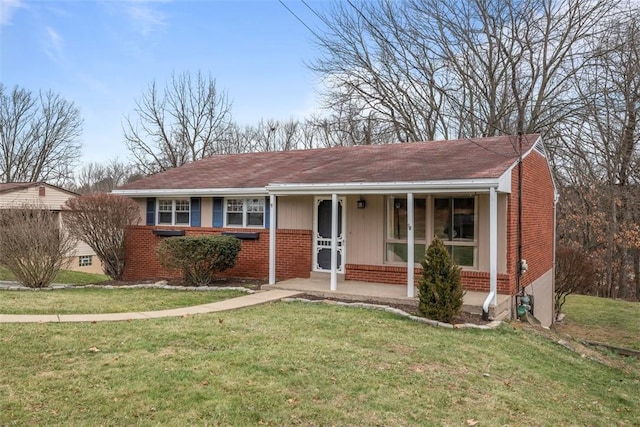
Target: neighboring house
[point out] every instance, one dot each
(281, 204)
(50, 197)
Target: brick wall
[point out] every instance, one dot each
(293, 254)
(537, 220)
(396, 275)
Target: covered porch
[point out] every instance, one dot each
(320, 286)
(335, 231)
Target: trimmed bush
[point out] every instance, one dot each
(440, 290)
(199, 257)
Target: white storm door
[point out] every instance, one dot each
(322, 235)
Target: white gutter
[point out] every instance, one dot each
(446, 186)
(206, 192)
(492, 298)
(481, 185)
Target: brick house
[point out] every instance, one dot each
(47, 196)
(365, 213)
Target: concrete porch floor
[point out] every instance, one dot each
(387, 294)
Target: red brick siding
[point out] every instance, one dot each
(396, 275)
(537, 220)
(293, 254)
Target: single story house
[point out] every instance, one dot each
(47, 196)
(366, 213)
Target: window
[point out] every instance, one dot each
(85, 260)
(454, 221)
(396, 236)
(244, 212)
(174, 212)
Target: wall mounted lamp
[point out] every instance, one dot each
(362, 203)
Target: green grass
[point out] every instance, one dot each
(301, 364)
(604, 320)
(67, 277)
(97, 300)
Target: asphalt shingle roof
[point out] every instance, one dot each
(417, 161)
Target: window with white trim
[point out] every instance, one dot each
(85, 260)
(396, 235)
(174, 212)
(454, 221)
(244, 213)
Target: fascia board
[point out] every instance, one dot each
(451, 186)
(197, 192)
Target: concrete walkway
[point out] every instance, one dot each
(230, 304)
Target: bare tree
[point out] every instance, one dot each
(38, 136)
(101, 220)
(102, 177)
(600, 153)
(32, 245)
(185, 121)
(434, 69)
(575, 273)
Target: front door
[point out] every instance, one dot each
(322, 235)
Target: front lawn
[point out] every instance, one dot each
(67, 277)
(300, 364)
(604, 320)
(99, 300)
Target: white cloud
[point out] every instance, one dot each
(53, 45)
(145, 19)
(7, 9)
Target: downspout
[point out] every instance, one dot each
(492, 298)
(519, 290)
(556, 198)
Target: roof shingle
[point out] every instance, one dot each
(404, 162)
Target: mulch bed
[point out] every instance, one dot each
(461, 318)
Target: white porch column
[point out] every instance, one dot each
(410, 246)
(493, 244)
(334, 242)
(492, 298)
(272, 239)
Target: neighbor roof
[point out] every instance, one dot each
(14, 186)
(463, 159)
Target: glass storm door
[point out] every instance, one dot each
(322, 235)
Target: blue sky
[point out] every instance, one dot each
(103, 54)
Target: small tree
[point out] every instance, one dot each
(199, 257)
(440, 290)
(575, 273)
(32, 245)
(101, 221)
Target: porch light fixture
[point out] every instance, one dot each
(362, 203)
